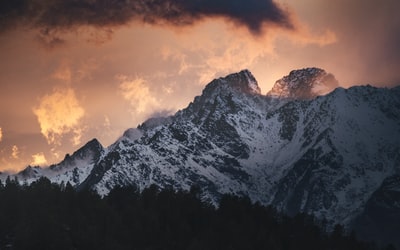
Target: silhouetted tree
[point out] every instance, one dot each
(44, 215)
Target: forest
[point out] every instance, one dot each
(45, 215)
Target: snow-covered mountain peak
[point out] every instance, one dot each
(90, 148)
(73, 169)
(305, 83)
(332, 156)
(242, 81)
(93, 145)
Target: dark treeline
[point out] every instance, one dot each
(44, 215)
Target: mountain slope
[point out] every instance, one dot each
(349, 144)
(74, 168)
(291, 148)
(380, 219)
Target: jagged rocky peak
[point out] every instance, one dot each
(93, 146)
(90, 151)
(242, 81)
(29, 171)
(148, 124)
(221, 94)
(306, 83)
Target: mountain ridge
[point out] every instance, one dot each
(323, 155)
(306, 83)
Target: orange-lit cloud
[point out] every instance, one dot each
(214, 48)
(138, 94)
(168, 53)
(15, 152)
(68, 72)
(107, 123)
(63, 73)
(174, 57)
(60, 113)
(1, 134)
(86, 69)
(38, 159)
(304, 36)
(367, 32)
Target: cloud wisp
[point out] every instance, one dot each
(15, 152)
(51, 15)
(138, 94)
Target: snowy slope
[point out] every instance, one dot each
(349, 141)
(324, 156)
(291, 148)
(73, 169)
(380, 219)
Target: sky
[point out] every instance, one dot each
(73, 70)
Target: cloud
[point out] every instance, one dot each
(107, 123)
(54, 15)
(15, 152)
(50, 38)
(1, 134)
(58, 114)
(138, 93)
(63, 73)
(304, 35)
(38, 159)
(68, 72)
(367, 33)
(213, 50)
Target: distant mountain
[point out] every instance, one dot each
(73, 169)
(325, 155)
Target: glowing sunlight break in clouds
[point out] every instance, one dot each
(38, 159)
(138, 94)
(58, 114)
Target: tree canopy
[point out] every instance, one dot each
(45, 215)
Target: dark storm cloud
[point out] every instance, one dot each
(69, 14)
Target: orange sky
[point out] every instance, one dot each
(61, 86)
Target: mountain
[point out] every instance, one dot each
(380, 219)
(295, 149)
(73, 169)
(304, 84)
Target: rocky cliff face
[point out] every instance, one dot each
(292, 148)
(304, 84)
